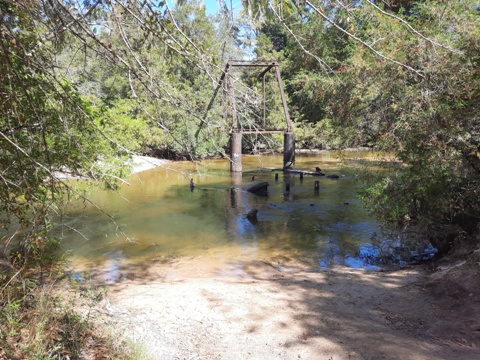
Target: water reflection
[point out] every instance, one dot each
(162, 216)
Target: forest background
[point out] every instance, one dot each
(86, 84)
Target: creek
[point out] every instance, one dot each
(158, 218)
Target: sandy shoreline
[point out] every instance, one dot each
(137, 162)
(185, 310)
(144, 163)
(201, 308)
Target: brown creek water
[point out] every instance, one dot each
(157, 218)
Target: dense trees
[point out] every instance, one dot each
(45, 125)
(401, 76)
(83, 84)
(83, 81)
(157, 66)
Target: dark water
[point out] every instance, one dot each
(157, 215)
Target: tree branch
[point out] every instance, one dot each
(409, 27)
(369, 47)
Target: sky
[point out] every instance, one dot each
(212, 5)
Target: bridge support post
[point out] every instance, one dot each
(288, 149)
(236, 152)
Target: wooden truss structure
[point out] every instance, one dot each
(226, 81)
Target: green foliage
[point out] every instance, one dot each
(124, 121)
(46, 128)
(47, 324)
(420, 100)
(155, 98)
(433, 124)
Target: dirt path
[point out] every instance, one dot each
(188, 310)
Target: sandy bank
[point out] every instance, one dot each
(144, 163)
(184, 309)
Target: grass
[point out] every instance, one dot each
(42, 317)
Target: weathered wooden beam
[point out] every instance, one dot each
(264, 102)
(293, 171)
(284, 100)
(233, 105)
(251, 63)
(266, 131)
(265, 71)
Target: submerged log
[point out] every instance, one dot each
(260, 188)
(252, 216)
(252, 213)
(314, 173)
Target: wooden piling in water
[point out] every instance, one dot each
(236, 152)
(288, 148)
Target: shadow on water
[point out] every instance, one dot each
(164, 218)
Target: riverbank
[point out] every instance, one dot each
(258, 305)
(196, 308)
(143, 163)
(206, 308)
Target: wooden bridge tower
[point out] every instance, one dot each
(226, 81)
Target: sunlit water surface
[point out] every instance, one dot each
(157, 216)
